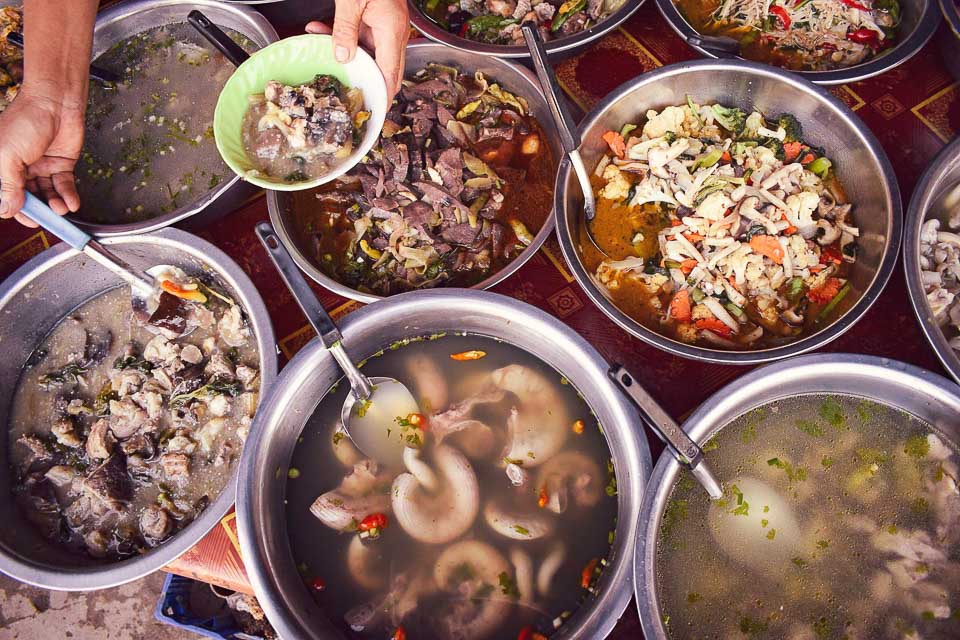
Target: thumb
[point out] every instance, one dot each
(13, 177)
(346, 29)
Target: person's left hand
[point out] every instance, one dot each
(381, 25)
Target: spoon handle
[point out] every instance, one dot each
(569, 134)
(38, 211)
(685, 449)
(317, 316)
(215, 36)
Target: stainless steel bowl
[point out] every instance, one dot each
(306, 379)
(919, 22)
(514, 78)
(916, 391)
(134, 16)
(940, 179)
(949, 39)
(34, 299)
(567, 45)
(858, 159)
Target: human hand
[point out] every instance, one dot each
(381, 25)
(40, 142)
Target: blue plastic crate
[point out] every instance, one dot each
(174, 609)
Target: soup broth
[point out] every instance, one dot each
(855, 536)
(531, 516)
(122, 432)
(149, 146)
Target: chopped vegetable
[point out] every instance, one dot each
(713, 325)
(730, 118)
(586, 576)
(768, 246)
(187, 291)
(578, 427)
(468, 355)
(680, 309)
(616, 143)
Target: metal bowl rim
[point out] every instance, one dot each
(901, 52)
(699, 425)
(124, 11)
(568, 44)
(917, 211)
(118, 573)
(277, 219)
(814, 341)
(250, 495)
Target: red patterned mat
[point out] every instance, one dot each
(913, 110)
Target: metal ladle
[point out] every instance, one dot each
(142, 284)
(685, 450)
(569, 134)
(370, 412)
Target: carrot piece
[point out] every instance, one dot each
(680, 306)
(714, 325)
(807, 159)
(831, 254)
(616, 143)
(174, 289)
(688, 265)
(468, 355)
(791, 150)
(726, 157)
(693, 237)
(825, 292)
(675, 223)
(767, 246)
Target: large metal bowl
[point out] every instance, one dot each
(919, 22)
(916, 391)
(859, 160)
(940, 178)
(514, 78)
(134, 16)
(261, 517)
(34, 299)
(567, 45)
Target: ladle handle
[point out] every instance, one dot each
(317, 316)
(569, 134)
(41, 213)
(659, 420)
(215, 36)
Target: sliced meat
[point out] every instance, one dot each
(108, 486)
(450, 166)
(141, 445)
(63, 430)
(126, 419)
(155, 524)
(175, 466)
(460, 234)
(100, 441)
(220, 366)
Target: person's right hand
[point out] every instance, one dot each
(40, 142)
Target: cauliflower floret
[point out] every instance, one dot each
(659, 157)
(714, 206)
(687, 332)
(651, 191)
(800, 211)
(670, 119)
(752, 125)
(617, 187)
(700, 312)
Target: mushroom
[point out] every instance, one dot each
(539, 426)
(549, 567)
(468, 568)
(516, 524)
(443, 515)
(359, 495)
(429, 384)
(362, 562)
(571, 474)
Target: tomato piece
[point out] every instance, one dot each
(680, 307)
(714, 326)
(826, 292)
(831, 255)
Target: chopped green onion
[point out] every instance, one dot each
(820, 166)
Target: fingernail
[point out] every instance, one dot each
(341, 53)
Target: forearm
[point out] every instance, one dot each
(58, 38)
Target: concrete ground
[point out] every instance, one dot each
(122, 613)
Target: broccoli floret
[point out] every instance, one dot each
(775, 145)
(730, 118)
(792, 126)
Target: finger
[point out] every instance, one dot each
(318, 27)
(49, 193)
(66, 186)
(346, 29)
(390, 54)
(25, 221)
(13, 177)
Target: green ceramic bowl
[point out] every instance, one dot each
(294, 61)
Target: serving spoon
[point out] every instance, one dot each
(216, 36)
(372, 409)
(569, 134)
(143, 285)
(685, 450)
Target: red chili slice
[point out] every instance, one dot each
(373, 521)
(782, 15)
